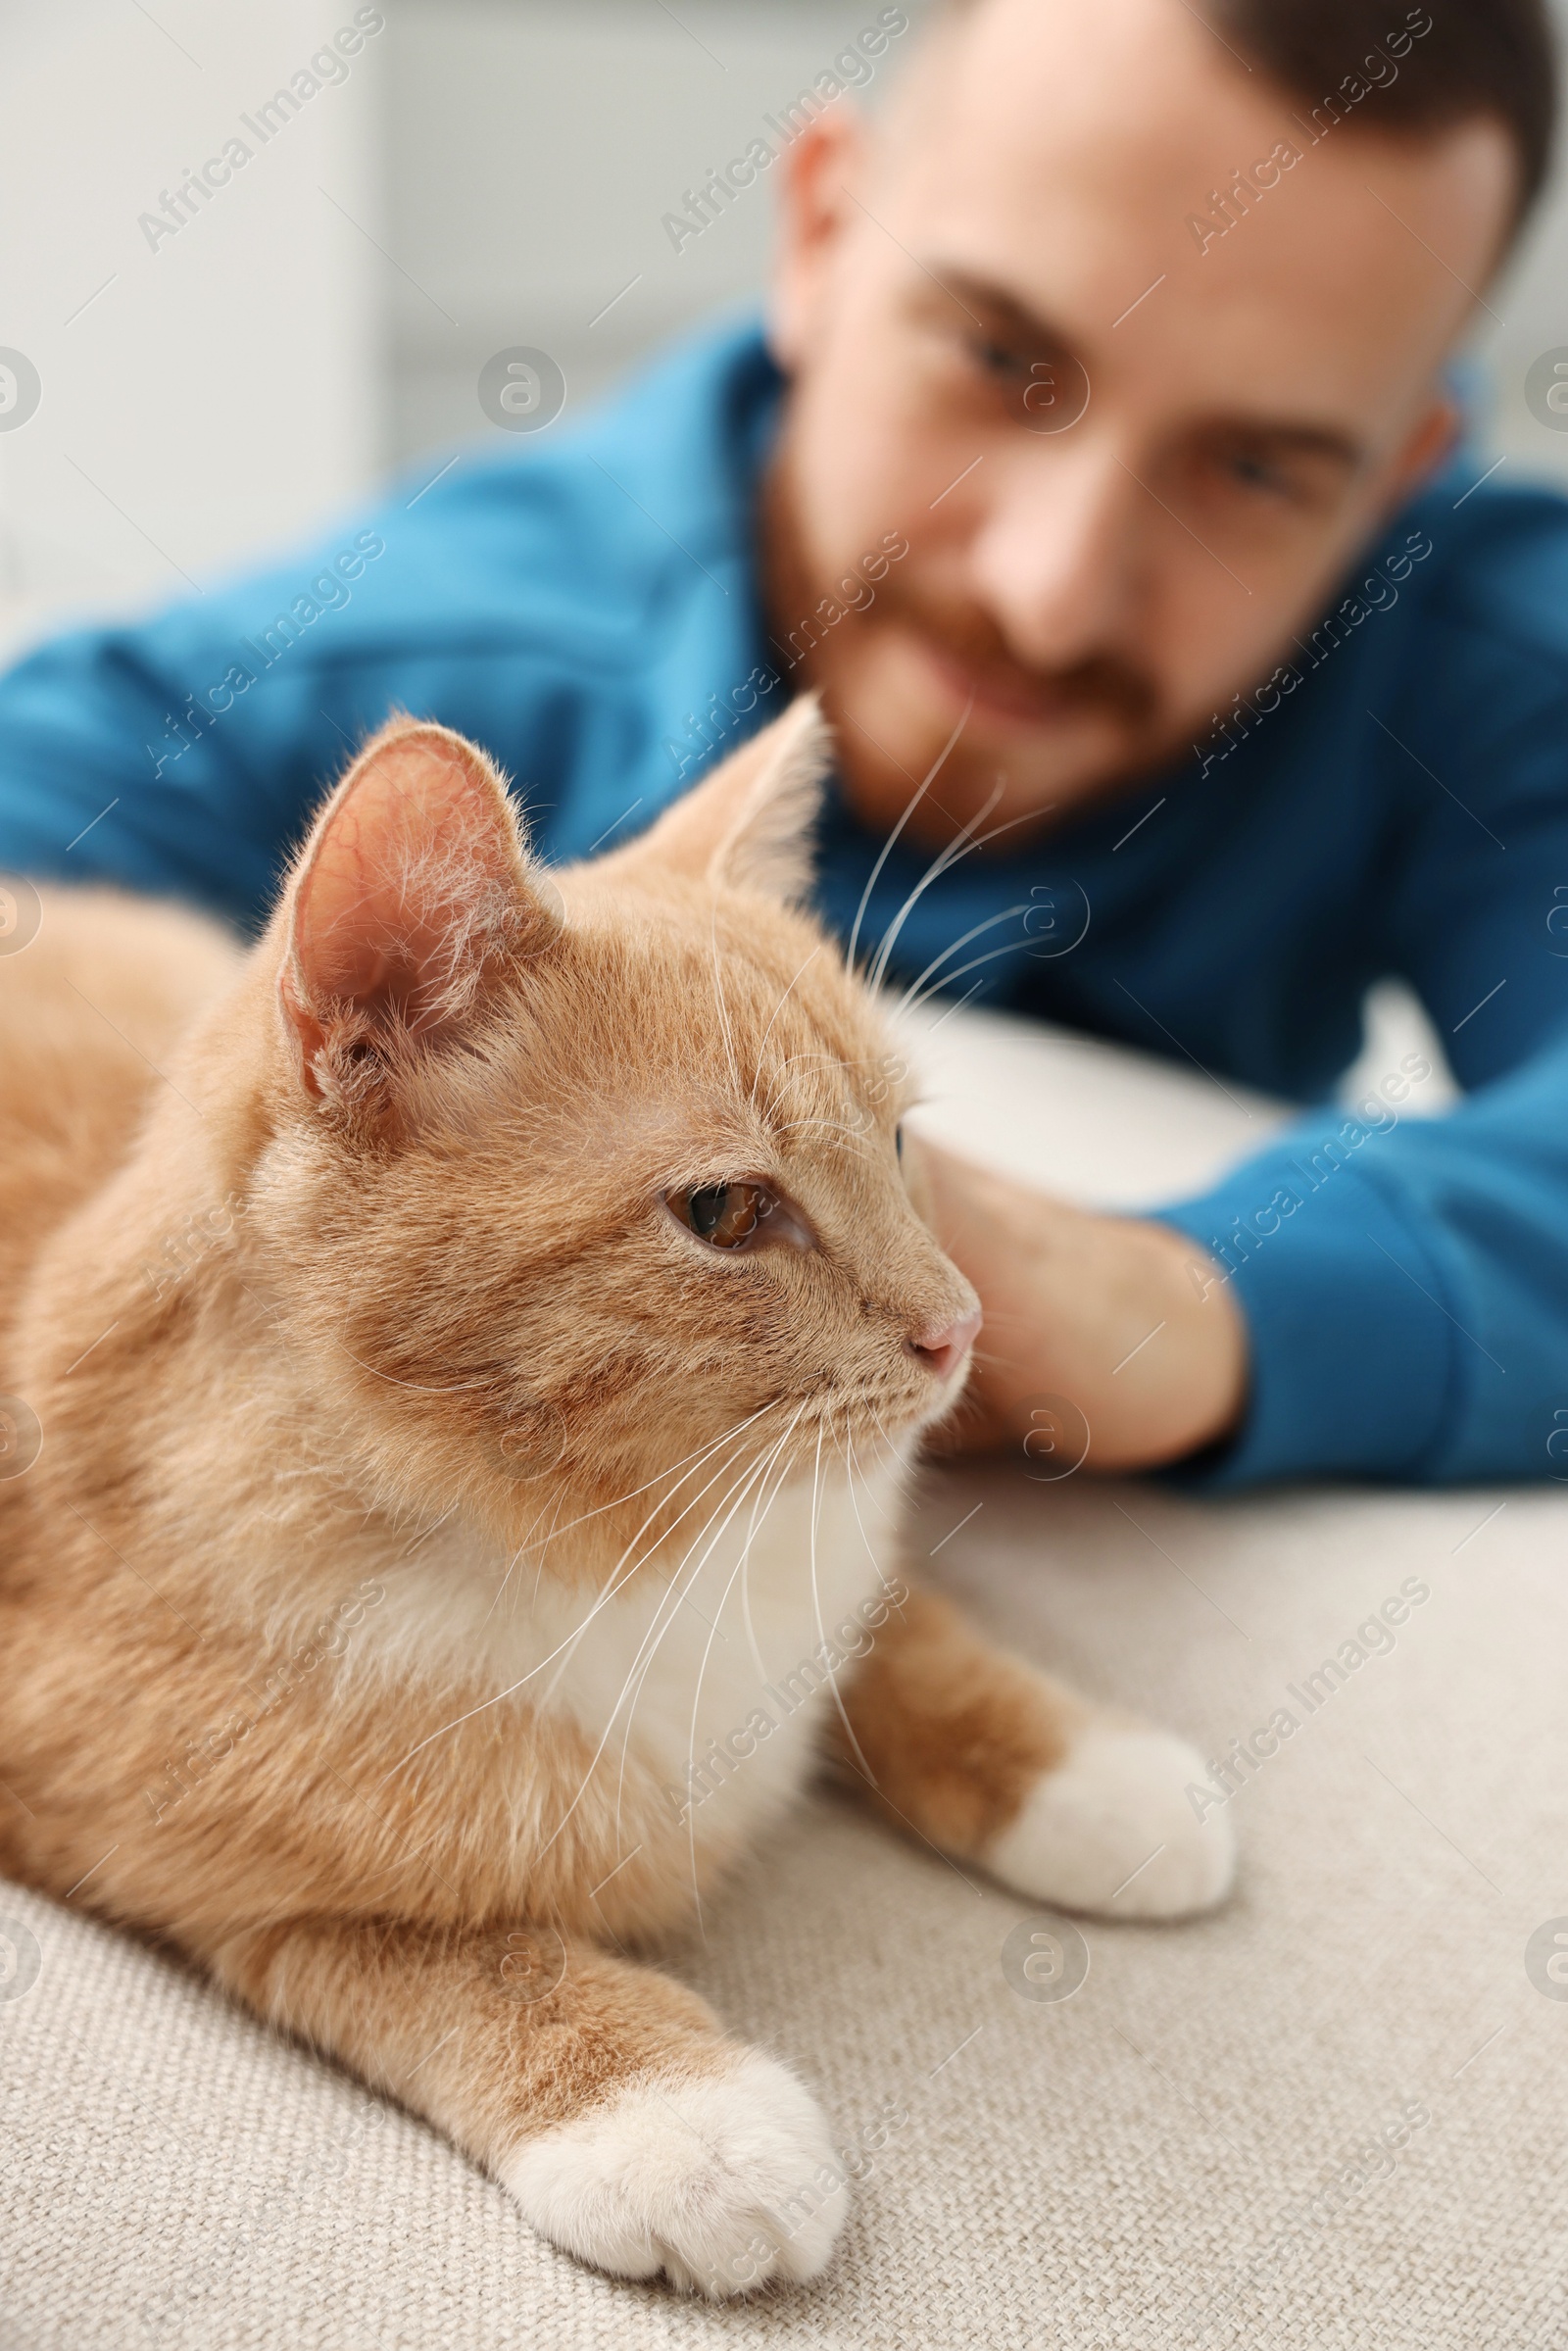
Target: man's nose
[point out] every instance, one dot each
(1055, 558)
(943, 1347)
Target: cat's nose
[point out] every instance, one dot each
(943, 1347)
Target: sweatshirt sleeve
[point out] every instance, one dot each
(179, 756)
(546, 602)
(1404, 1278)
(1404, 1283)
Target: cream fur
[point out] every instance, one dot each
(1112, 1830)
(720, 2183)
(659, 1666)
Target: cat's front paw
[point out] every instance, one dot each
(720, 2179)
(1113, 1829)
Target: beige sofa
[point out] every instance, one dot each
(1334, 2114)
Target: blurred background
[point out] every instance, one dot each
(487, 173)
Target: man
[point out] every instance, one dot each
(1092, 469)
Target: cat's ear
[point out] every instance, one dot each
(412, 890)
(750, 824)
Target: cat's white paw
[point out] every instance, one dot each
(1112, 1830)
(720, 2179)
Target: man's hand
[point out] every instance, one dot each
(1125, 1319)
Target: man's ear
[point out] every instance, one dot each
(817, 169)
(749, 825)
(1430, 441)
(412, 890)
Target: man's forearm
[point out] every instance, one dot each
(1122, 1317)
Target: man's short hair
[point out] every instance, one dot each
(1442, 65)
(1457, 60)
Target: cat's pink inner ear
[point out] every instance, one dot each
(412, 884)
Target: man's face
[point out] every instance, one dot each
(1014, 239)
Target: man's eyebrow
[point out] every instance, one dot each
(1001, 310)
(1286, 436)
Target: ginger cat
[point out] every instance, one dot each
(464, 1357)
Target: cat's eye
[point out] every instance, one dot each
(738, 1215)
(897, 1142)
(725, 1215)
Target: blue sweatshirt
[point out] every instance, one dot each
(1393, 800)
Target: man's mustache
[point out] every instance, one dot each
(1103, 683)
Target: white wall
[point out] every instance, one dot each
(1531, 307)
(533, 155)
(223, 388)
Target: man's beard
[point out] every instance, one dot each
(1104, 687)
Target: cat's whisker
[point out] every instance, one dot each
(872, 1551)
(839, 1135)
(456, 1388)
(646, 1555)
(849, 1445)
(695, 1458)
(724, 1009)
(843, 1140)
(885, 1454)
(696, 1695)
(777, 1010)
(911, 995)
(786, 1074)
(857, 1473)
(699, 1458)
(760, 1504)
(771, 1456)
(674, 1596)
(857, 1124)
(889, 1440)
(835, 1126)
(698, 1453)
(746, 1578)
(518, 1553)
(822, 1629)
(957, 1005)
(945, 859)
(955, 853)
(920, 791)
(502, 1585)
(521, 1550)
(425, 1533)
(614, 1584)
(642, 1562)
(984, 840)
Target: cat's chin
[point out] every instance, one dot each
(718, 2182)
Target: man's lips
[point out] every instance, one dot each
(1010, 698)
